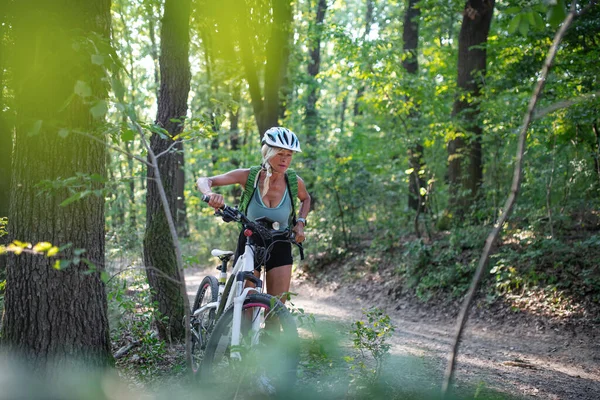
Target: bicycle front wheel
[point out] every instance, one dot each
(202, 325)
(268, 359)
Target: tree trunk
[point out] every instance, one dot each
(151, 15)
(410, 62)
(5, 132)
(465, 169)
(368, 23)
(266, 104)
(278, 52)
(54, 317)
(311, 117)
(159, 253)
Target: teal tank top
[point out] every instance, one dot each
(281, 213)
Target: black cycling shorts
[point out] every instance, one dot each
(281, 253)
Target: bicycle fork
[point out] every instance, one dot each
(238, 315)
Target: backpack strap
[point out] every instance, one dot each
(291, 180)
(249, 189)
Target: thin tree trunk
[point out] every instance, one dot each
(465, 168)
(159, 252)
(410, 62)
(311, 116)
(56, 317)
(510, 201)
(368, 23)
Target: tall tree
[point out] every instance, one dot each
(5, 131)
(368, 24)
(266, 103)
(465, 168)
(314, 64)
(52, 314)
(159, 253)
(410, 62)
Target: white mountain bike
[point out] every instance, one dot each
(240, 333)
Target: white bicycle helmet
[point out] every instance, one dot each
(281, 137)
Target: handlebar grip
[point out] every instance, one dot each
(205, 198)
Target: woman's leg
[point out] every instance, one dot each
(278, 281)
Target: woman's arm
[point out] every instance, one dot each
(205, 184)
(304, 210)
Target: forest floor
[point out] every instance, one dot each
(515, 354)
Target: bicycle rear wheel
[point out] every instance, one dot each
(202, 325)
(268, 365)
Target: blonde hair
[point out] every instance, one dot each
(268, 152)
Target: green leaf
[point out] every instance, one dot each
(82, 89)
(97, 59)
(127, 135)
(56, 265)
(512, 10)
(35, 129)
(99, 110)
(118, 88)
(524, 26)
(514, 24)
(539, 21)
(74, 198)
(63, 133)
(104, 276)
(557, 13)
(97, 178)
(531, 18)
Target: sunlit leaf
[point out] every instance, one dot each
(127, 135)
(42, 247)
(99, 110)
(82, 89)
(52, 251)
(97, 59)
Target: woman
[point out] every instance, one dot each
(270, 195)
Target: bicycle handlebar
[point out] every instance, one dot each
(233, 214)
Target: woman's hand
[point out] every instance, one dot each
(299, 231)
(216, 200)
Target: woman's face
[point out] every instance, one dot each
(281, 161)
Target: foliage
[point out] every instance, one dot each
(133, 317)
(370, 337)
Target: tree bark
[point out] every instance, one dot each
(368, 23)
(465, 168)
(54, 316)
(159, 252)
(410, 62)
(311, 117)
(267, 103)
(5, 132)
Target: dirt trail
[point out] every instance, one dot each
(516, 360)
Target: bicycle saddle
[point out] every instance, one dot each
(219, 253)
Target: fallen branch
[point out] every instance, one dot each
(126, 349)
(510, 201)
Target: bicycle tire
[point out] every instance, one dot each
(208, 292)
(279, 349)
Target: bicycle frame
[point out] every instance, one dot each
(237, 295)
